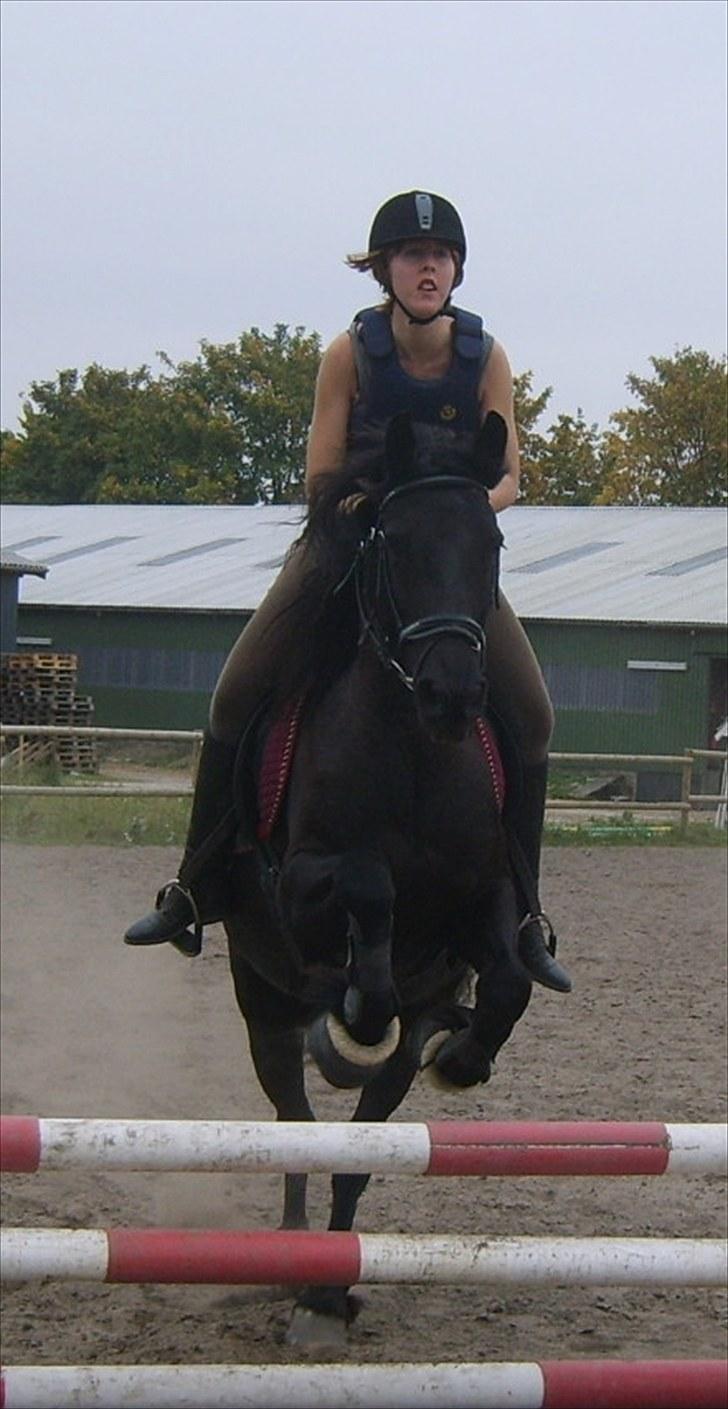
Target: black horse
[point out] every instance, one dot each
(387, 885)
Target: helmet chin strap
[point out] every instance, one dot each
(422, 322)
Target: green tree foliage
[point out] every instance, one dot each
(569, 466)
(263, 387)
(228, 428)
(671, 448)
(529, 407)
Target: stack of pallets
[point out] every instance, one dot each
(41, 689)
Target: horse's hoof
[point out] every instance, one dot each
(431, 1033)
(460, 1062)
(344, 1062)
(313, 1328)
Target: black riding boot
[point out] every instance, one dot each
(196, 896)
(537, 953)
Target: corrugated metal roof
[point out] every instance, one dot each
(13, 562)
(590, 564)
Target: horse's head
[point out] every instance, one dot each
(429, 574)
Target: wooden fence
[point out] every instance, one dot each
(31, 736)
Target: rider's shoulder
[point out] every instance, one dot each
(338, 354)
(498, 364)
(337, 371)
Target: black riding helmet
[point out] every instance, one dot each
(418, 215)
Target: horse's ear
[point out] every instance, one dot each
(399, 448)
(490, 449)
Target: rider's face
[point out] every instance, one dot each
(422, 273)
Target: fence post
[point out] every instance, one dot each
(687, 788)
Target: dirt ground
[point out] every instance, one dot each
(92, 1028)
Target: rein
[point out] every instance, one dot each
(429, 628)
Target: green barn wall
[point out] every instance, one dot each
(126, 656)
(679, 714)
(136, 648)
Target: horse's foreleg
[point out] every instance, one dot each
(322, 1312)
(377, 1102)
(278, 1060)
(503, 992)
(365, 890)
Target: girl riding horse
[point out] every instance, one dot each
(412, 352)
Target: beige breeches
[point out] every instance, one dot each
(517, 687)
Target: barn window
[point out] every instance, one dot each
(151, 668)
(599, 689)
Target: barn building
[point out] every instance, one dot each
(626, 609)
(13, 567)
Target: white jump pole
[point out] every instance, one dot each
(669, 1384)
(29, 1143)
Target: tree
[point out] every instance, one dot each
(263, 385)
(569, 463)
(528, 409)
(670, 448)
(229, 427)
(70, 430)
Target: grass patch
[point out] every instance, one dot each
(628, 830)
(105, 821)
(150, 821)
(73, 821)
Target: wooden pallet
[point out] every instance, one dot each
(40, 688)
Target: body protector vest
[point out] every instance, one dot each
(385, 388)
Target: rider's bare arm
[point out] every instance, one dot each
(496, 394)
(336, 389)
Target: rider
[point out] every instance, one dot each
(414, 351)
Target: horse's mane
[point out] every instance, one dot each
(322, 639)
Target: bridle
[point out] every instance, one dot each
(372, 577)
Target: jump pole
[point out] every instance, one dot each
(548, 1384)
(594, 1148)
(253, 1258)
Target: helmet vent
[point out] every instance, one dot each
(423, 206)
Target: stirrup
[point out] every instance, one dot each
(541, 919)
(537, 953)
(188, 944)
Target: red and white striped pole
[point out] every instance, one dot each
(285, 1257)
(593, 1148)
(549, 1384)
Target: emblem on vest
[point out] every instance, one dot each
(448, 413)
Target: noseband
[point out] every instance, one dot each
(372, 565)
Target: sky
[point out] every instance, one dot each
(174, 171)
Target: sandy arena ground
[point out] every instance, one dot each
(92, 1028)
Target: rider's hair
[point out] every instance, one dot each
(377, 263)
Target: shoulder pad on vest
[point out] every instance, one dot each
(373, 327)
(469, 339)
